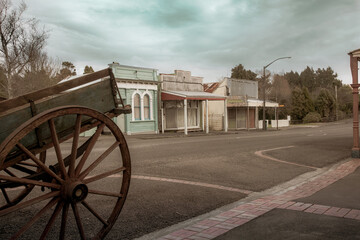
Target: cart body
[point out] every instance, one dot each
(33, 123)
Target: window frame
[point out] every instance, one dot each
(148, 106)
(142, 106)
(136, 108)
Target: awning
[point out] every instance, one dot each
(241, 101)
(181, 95)
(260, 103)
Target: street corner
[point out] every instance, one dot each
(155, 203)
(281, 214)
(287, 224)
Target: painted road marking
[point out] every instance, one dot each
(261, 154)
(201, 184)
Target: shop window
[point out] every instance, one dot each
(137, 107)
(146, 100)
(142, 106)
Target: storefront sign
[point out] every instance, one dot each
(236, 101)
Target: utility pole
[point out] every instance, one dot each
(264, 98)
(336, 104)
(277, 118)
(264, 81)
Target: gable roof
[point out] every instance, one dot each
(211, 87)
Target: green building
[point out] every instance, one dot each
(139, 88)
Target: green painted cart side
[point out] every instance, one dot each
(36, 123)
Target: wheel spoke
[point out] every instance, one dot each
(118, 195)
(99, 160)
(52, 219)
(78, 221)
(22, 169)
(36, 217)
(103, 175)
(93, 140)
(75, 145)
(85, 204)
(28, 203)
(80, 151)
(9, 172)
(26, 181)
(43, 156)
(63, 221)
(28, 164)
(5, 196)
(39, 163)
(56, 143)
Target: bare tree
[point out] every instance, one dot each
(22, 44)
(39, 74)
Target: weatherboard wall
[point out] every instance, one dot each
(142, 81)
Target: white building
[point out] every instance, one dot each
(184, 103)
(242, 104)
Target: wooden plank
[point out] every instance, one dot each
(97, 96)
(24, 99)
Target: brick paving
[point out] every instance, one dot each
(216, 225)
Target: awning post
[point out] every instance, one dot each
(225, 116)
(202, 116)
(185, 117)
(247, 114)
(207, 116)
(162, 120)
(277, 118)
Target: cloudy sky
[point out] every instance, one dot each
(207, 37)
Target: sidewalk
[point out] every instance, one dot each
(325, 206)
(201, 133)
(174, 134)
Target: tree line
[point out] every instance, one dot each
(309, 96)
(24, 64)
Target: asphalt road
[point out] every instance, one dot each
(176, 178)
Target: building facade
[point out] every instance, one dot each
(242, 104)
(139, 88)
(184, 104)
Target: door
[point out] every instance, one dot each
(240, 118)
(251, 118)
(232, 118)
(171, 118)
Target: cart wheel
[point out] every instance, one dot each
(90, 182)
(21, 169)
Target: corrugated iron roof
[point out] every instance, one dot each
(194, 95)
(211, 87)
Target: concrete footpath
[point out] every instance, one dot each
(324, 204)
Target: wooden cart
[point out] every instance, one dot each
(53, 180)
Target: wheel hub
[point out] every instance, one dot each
(74, 191)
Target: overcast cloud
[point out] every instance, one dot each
(207, 37)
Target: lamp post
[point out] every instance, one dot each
(264, 128)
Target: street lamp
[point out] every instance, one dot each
(264, 128)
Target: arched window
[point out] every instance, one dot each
(146, 107)
(137, 107)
